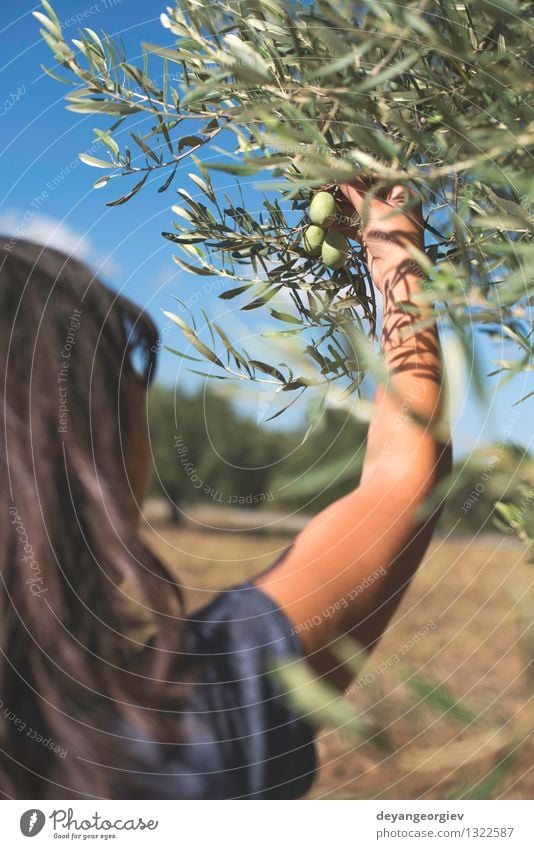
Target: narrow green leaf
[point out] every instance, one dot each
(108, 107)
(182, 355)
(189, 141)
(194, 269)
(50, 12)
(56, 76)
(267, 369)
(233, 293)
(102, 181)
(94, 162)
(50, 25)
(130, 194)
(284, 316)
(145, 148)
(192, 337)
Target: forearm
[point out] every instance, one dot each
(408, 442)
(408, 424)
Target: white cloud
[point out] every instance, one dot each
(53, 233)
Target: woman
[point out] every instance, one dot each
(89, 710)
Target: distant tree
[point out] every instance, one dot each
(323, 466)
(204, 450)
(488, 495)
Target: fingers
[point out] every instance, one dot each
(405, 198)
(365, 201)
(399, 195)
(355, 193)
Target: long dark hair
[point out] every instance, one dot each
(77, 583)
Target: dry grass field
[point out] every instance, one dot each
(459, 623)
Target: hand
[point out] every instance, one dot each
(389, 226)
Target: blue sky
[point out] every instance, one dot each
(48, 192)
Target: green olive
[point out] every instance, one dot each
(335, 250)
(323, 209)
(313, 239)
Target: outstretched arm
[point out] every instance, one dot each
(356, 558)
